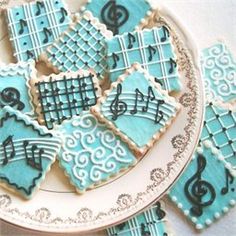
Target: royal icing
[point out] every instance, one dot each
(91, 153)
(34, 26)
(27, 151)
(137, 108)
(152, 48)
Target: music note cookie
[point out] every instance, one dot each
(207, 188)
(59, 97)
(14, 86)
(27, 151)
(152, 48)
(137, 109)
(34, 26)
(151, 222)
(97, 154)
(82, 46)
(118, 15)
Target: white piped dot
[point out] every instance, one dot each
(186, 212)
(225, 209)
(232, 202)
(174, 198)
(199, 226)
(194, 219)
(217, 215)
(208, 221)
(180, 205)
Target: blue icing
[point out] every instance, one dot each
(214, 177)
(91, 153)
(139, 127)
(152, 49)
(26, 152)
(126, 8)
(150, 222)
(34, 26)
(219, 72)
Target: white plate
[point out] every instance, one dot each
(57, 208)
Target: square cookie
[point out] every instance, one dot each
(34, 26)
(152, 48)
(60, 97)
(137, 109)
(14, 86)
(82, 46)
(119, 15)
(206, 190)
(27, 151)
(91, 153)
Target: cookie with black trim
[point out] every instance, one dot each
(27, 152)
(137, 109)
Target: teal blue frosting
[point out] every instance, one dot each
(139, 127)
(21, 166)
(91, 153)
(34, 26)
(130, 13)
(219, 72)
(210, 180)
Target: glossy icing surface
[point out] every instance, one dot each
(91, 153)
(152, 48)
(34, 26)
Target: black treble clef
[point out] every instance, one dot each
(196, 188)
(117, 106)
(114, 16)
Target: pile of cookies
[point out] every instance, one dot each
(94, 133)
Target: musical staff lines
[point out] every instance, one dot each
(63, 98)
(152, 49)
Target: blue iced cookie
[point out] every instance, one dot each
(60, 97)
(151, 222)
(207, 188)
(219, 72)
(137, 109)
(27, 152)
(220, 128)
(82, 46)
(152, 48)
(34, 26)
(120, 16)
(91, 153)
(14, 86)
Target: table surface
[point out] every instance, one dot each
(209, 21)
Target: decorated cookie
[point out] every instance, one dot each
(137, 109)
(219, 72)
(34, 26)
(27, 151)
(14, 86)
(151, 222)
(91, 153)
(59, 97)
(82, 46)
(152, 48)
(207, 189)
(118, 15)
(220, 128)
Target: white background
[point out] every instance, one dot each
(208, 21)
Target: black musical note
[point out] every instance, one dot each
(196, 188)
(35, 160)
(23, 24)
(121, 226)
(166, 34)
(159, 114)
(173, 65)
(132, 40)
(116, 58)
(144, 232)
(152, 51)
(11, 97)
(47, 34)
(8, 143)
(159, 212)
(64, 13)
(29, 54)
(114, 16)
(229, 178)
(39, 6)
(151, 96)
(118, 107)
(138, 95)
